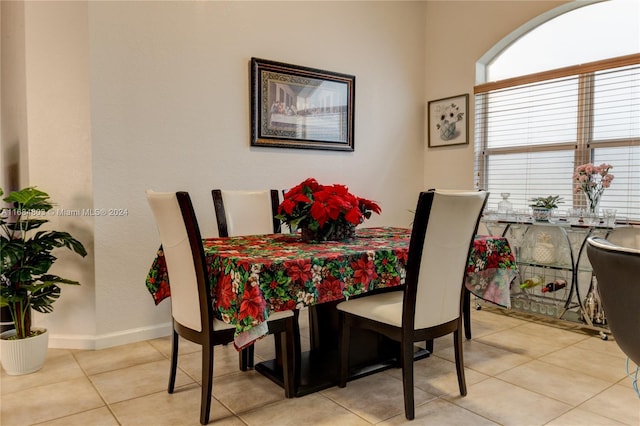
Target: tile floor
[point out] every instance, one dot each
(519, 372)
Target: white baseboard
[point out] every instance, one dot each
(62, 341)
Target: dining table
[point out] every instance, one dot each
(256, 275)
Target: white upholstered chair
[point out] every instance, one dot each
(191, 300)
(246, 212)
(429, 305)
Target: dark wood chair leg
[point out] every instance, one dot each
(289, 358)
(407, 379)
(462, 384)
(343, 348)
(297, 351)
(246, 358)
(207, 382)
(174, 362)
(466, 313)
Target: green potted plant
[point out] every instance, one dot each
(542, 206)
(25, 283)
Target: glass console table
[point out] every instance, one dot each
(555, 277)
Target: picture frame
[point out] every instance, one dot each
(300, 107)
(448, 121)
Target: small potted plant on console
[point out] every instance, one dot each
(542, 206)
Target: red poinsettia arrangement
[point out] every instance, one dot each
(325, 210)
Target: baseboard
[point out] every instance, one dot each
(108, 340)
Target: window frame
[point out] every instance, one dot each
(583, 146)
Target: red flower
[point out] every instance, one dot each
(402, 255)
(369, 205)
(299, 270)
(364, 270)
(312, 205)
(162, 292)
(253, 304)
(224, 292)
(329, 290)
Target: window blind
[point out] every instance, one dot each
(532, 132)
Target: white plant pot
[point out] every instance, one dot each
(23, 356)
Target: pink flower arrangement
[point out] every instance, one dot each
(592, 180)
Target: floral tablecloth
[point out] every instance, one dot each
(252, 276)
(490, 270)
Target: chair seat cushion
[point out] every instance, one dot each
(275, 316)
(383, 307)
(221, 325)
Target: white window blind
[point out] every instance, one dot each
(532, 132)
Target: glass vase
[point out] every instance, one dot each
(593, 202)
(505, 208)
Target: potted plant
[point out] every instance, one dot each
(324, 212)
(542, 206)
(25, 283)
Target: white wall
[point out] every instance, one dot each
(170, 111)
(458, 34)
(166, 85)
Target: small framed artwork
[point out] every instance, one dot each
(300, 107)
(449, 121)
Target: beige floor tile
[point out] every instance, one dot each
(48, 402)
(618, 402)
(485, 359)
(596, 344)
(97, 417)
(633, 374)
(139, 380)
(593, 363)
(60, 365)
(313, 409)
(94, 362)
(579, 416)
(246, 390)
(555, 382)
(490, 320)
(163, 344)
(164, 409)
(375, 398)
(437, 376)
(508, 404)
(225, 361)
(522, 343)
(582, 382)
(442, 413)
(557, 332)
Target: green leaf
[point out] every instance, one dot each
(30, 199)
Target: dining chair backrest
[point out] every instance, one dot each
(246, 212)
(444, 226)
(184, 256)
(617, 270)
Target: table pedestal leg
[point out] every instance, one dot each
(318, 369)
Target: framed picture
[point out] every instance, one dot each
(300, 107)
(449, 121)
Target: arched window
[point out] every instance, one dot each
(566, 92)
